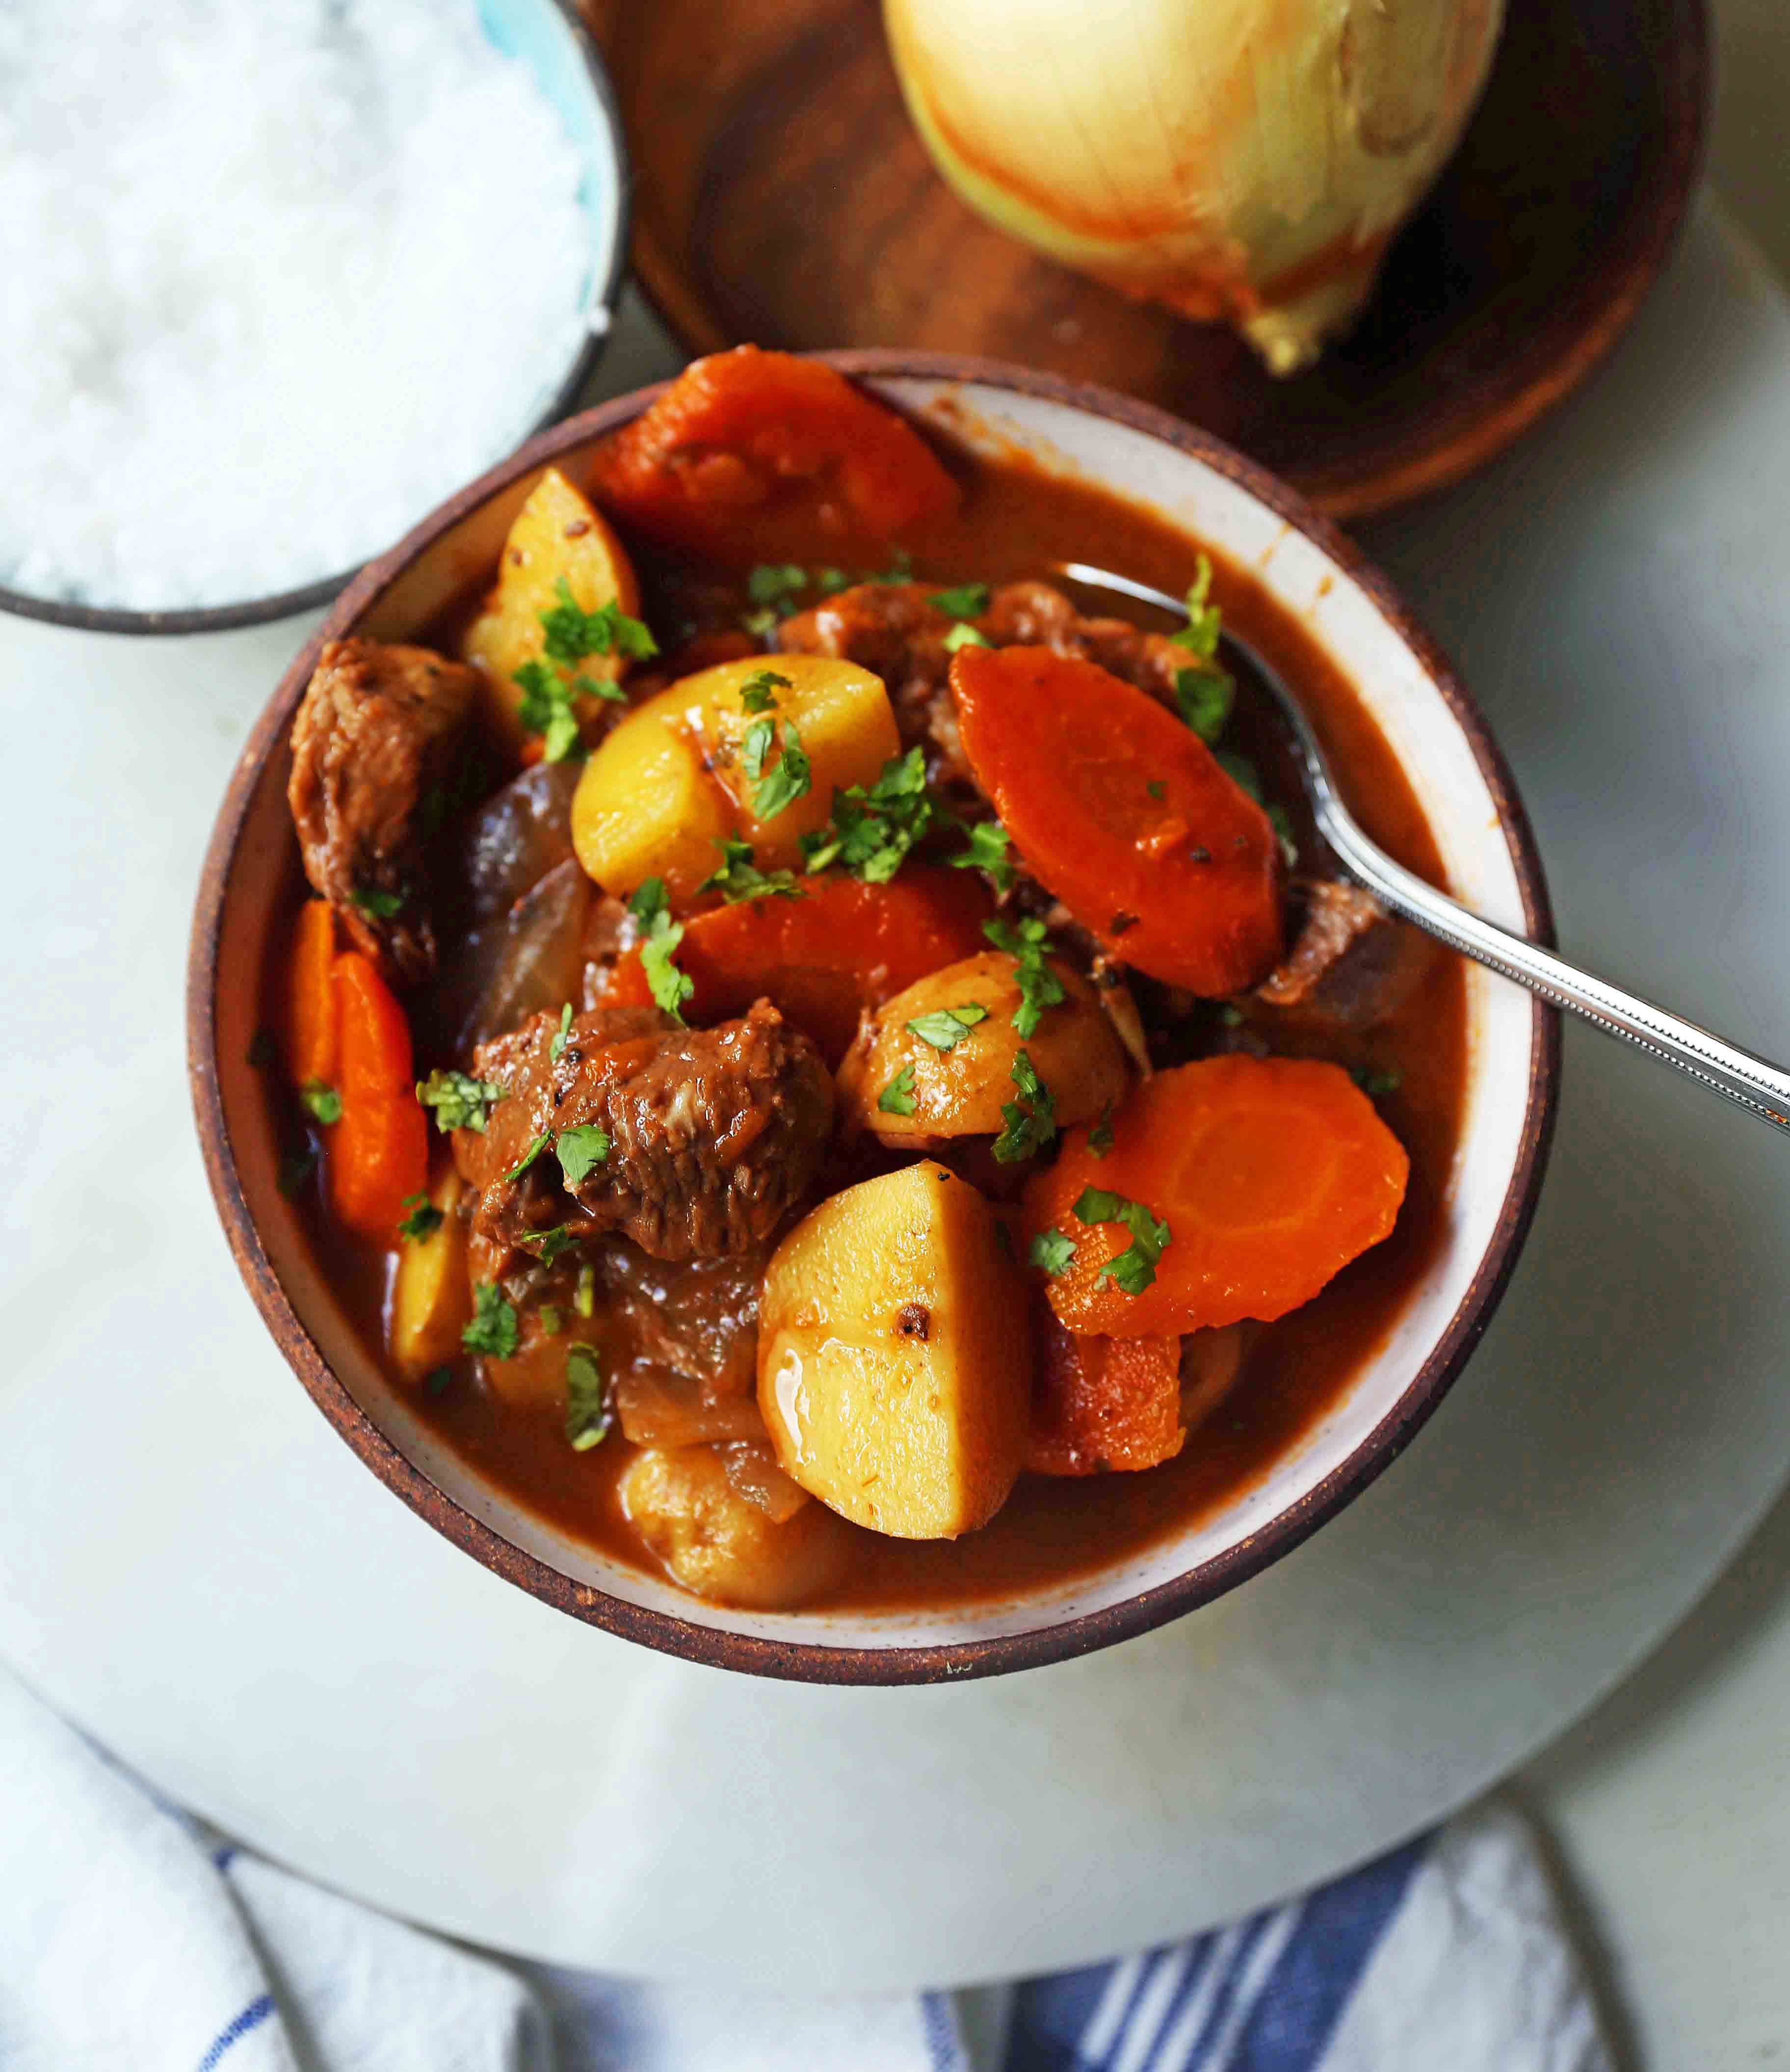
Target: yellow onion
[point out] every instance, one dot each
(1242, 159)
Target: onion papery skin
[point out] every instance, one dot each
(1246, 160)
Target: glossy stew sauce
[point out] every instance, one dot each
(1015, 521)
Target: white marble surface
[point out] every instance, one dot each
(1670, 1803)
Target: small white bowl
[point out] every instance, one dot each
(548, 37)
(1466, 793)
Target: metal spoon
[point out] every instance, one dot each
(1755, 1083)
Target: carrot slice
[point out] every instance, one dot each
(823, 959)
(308, 1014)
(379, 1156)
(379, 1151)
(1125, 814)
(375, 1055)
(1271, 1174)
(751, 456)
(1102, 1402)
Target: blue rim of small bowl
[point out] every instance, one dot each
(286, 604)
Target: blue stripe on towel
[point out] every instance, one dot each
(251, 2017)
(1050, 2016)
(1341, 1926)
(1196, 2057)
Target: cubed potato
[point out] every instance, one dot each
(960, 1091)
(558, 532)
(841, 714)
(894, 1361)
(431, 1296)
(722, 1544)
(665, 788)
(646, 808)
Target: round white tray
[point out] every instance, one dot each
(197, 1571)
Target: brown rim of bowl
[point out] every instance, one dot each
(287, 604)
(801, 1660)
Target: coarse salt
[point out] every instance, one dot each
(274, 279)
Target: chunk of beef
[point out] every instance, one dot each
(715, 1134)
(374, 736)
(892, 630)
(1351, 964)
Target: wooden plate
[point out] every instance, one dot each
(781, 196)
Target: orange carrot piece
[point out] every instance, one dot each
(375, 1055)
(1102, 1402)
(378, 1158)
(378, 1152)
(823, 959)
(751, 456)
(1125, 814)
(1270, 1173)
(309, 1016)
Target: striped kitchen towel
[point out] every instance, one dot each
(132, 1941)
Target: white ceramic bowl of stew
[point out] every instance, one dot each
(1421, 769)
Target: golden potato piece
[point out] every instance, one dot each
(646, 808)
(557, 533)
(842, 717)
(959, 1091)
(894, 1358)
(431, 1297)
(666, 786)
(718, 1543)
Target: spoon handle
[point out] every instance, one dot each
(1755, 1083)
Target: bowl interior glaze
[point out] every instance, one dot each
(1480, 827)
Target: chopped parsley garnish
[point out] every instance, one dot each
(897, 1098)
(1240, 772)
(570, 635)
(758, 693)
(968, 601)
(460, 1102)
(872, 830)
(831, 582)
(1205, 697)
(776, 583)
(529, 1156)
(551, 1319)
(1052, 1252)
(1100, 1137)
(739, 877)
(381, 905)
(587, 1418)
(1031, 1121)
(296, 1168)
(548, 1245)
(1157, 789)
(261, 1052)
(494, 1328)
(899, 569)
(1375, 1083)
(964, 634)
(1231, 1015)
(988, 841)
(790, 779)
(438, 1381)
(581, 1151)
(584, 1301)
(1281, 821)
(324, 1103)
(670, 987)
(1205, 621)
(949, 1026)
(556, 1050)
(424, 1219)
(1133, 1269)
(1027, 944)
